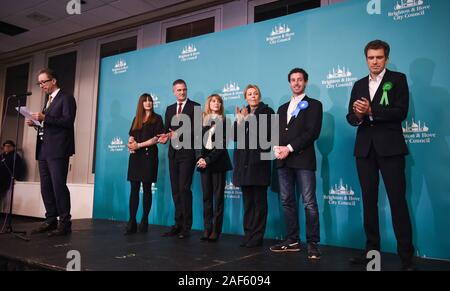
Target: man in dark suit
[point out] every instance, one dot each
(378, 105)
(181, 156)
(300, 125)
(55, 144)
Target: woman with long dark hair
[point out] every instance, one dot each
(143, 161)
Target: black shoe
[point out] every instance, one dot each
(253, 244)
(213, 237)
(61, 231)
(205, 236)
(361, 260)
(287, 246)
(44, 227)
(143, 226)
(172, 232)
(243, 243)
(131, 228)
(183, 235)
(313, 251)
(409, 266)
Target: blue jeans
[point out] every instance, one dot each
(306, 181)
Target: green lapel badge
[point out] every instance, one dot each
(385, 98)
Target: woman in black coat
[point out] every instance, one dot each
(252, 172)
(213, 162)
(143, 160)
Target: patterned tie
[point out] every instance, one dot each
(50, 99)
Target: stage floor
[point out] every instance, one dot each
(103, 246)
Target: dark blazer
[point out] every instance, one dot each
(385, 131)
(249, 169)
(217, 160)
(181, 153)
(143, 164)
(6, 167)
(58, 140)
(301, 133)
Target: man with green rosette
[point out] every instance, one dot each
(378, 105)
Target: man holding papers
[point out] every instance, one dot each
(55, 144)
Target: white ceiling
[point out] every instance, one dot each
(94, 13)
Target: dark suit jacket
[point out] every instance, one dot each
(179, 152)
(301, 133)
(385, 131)
(249, 169)
(217, 159)
(58, 140)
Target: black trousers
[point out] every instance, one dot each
(134, 199)
(213, 186)
(55, 194)
(255, 212)
(181, 172)
(393, 172)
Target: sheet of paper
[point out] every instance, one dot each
(27, 114)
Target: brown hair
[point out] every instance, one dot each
(376, 45)
(139, 120)
(207, 111)
(50, 73)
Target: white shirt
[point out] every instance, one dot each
(292, 106)
(182, 106)
(374, 84)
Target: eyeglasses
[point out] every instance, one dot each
(42, 83)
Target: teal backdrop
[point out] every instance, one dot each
(328, 43)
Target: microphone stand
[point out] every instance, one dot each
(8, 229)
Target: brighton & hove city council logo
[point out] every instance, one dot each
(341, 195)
(231, 91)
(417, 132)
(189, 53)
(231, 191)
(406, 9)
(120, 67)
(116, 145)
(279, 34)
(338, 78)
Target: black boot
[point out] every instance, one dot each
(131, 227)
(143, 226)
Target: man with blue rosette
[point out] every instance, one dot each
(378, 105)
(299, 127)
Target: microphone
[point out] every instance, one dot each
(20, 95)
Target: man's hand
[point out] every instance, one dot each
(362, 107)
(163, 138)
(201, 163)
(281, 152)
(29, 122)
(38, 116)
